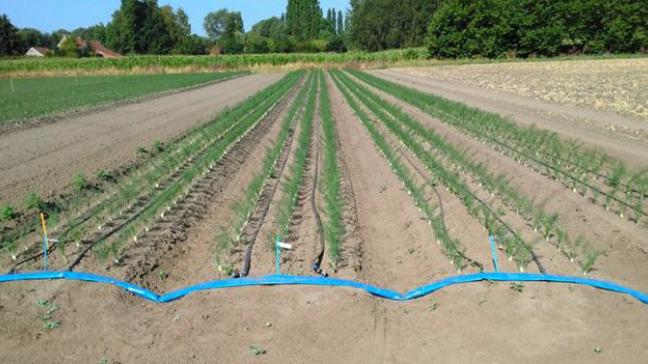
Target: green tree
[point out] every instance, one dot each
(303, 19)
(382, 24)
(69, 47)
(9, 40)
(215, 23)
(29, 37)
(340, 22)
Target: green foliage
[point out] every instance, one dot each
(225, 28)
(383, 24)
(517, 286)
(231, 61)
(37, 97)
(494, 28)
(9, 40)
(288, 201)
(69, 48)
(209, 145)
(350, 91)
(303, 19)
(145, 27)
(80, 182)
(7, 212)
(33, 201)
(544, 151)
(232, 232)
(333, 203)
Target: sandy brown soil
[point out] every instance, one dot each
(481, 322)
(618, 135)
(614, 85)
(46, 158)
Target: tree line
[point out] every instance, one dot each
(448, 28)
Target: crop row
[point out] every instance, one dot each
(450, 246)
(566, 161)
(514, 246)
(200, 165)
(147, 181)
(291, 187)
(542, 222)
(232, 233)
(333, 203)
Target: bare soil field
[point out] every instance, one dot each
(611, 85)
(271, 177)
(45, 159)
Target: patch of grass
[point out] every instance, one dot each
(35, 97)
(7, 213)
(33, 201)
(80, 182)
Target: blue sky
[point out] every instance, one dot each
(50, 15)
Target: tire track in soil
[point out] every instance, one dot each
(626, 253)
(164, 238)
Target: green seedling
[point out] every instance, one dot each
(158, 147)
(80, 182)
(104, 175)
(256, 350)
(517, 286)
(50, 308)
(33, 201)
(7, 213)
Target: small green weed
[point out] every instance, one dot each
(517, 287)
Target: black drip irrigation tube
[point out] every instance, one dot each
(534, 257)
(93, 211)
(432, 185)
(247, 257)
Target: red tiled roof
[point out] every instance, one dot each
(99, 49)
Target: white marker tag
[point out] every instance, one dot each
(284, 245)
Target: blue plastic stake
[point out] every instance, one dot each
(493, 252)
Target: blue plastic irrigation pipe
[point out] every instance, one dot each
(282, 279)
(493, 252)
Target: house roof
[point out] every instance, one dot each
(99, 48)
(42, 50)
(95, 46)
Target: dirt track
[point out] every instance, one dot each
(481, 322)
(46, 158)
(618, 135)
